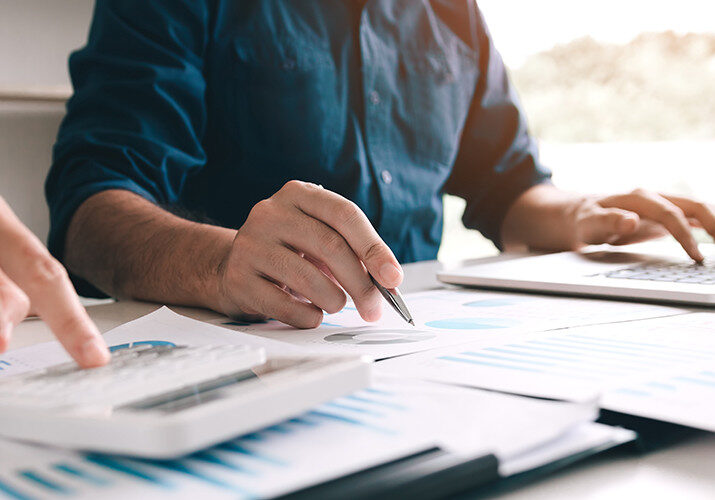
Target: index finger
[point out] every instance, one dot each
(351, 223)
(28, 263)
(664, 212)
(703, 213)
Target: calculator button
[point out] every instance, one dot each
(132, 374)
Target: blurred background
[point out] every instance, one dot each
(620, 93)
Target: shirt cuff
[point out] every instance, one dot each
(490, 215)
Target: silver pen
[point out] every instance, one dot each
(394, 297)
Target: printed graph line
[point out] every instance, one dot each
(45, 482)
(628, 352)
(563, 363)
(349, 420)
(116, 465)
(549, 367)
(504, 358)
(580, 356)
(578, 360)
(647, 350)
(697, 381)
(647, 344)
(12, 492)
(79, 473)
(592, 350)
(661, 385)
(370, 401)
(214, 459)
(486, 363)
(278, 428)
(235, 447)
(355, 409)
(302, 421)
(185, 468)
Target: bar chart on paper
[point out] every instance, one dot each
(261, 464)
(448, 317)
(660, 368)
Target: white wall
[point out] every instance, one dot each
(36, 37)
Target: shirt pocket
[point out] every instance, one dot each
(287, 106)
(438, 84)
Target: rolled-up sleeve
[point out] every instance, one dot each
(137, 116)
(498, 159)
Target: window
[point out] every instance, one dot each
(620, 94)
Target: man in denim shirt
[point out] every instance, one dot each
(314, 140)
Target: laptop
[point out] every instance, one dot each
(654, 272)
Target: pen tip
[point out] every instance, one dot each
(411, 321)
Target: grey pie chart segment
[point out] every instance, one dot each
(379, 337)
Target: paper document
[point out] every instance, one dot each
(586, 438)
(393, 419)
(163, 326)
(661, 368)
(446, 318)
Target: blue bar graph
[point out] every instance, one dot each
(235, 447)
(486, 363)
(697, 381)
(45, 482)
(377, 402)
(661, 385)
(506, 358)
(117, 465)
(78, 473)
(13, 493)
(349, 420)
(235, 466)
(355, 409)
(587, 357)
(183, 467)
(212, 457)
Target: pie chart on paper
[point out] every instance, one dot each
(379, 337)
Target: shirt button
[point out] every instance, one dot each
(386, 177)
(374, 97)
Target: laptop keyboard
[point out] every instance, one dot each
(702, 274)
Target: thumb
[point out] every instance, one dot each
(608, 225)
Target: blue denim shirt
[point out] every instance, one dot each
(213, 105)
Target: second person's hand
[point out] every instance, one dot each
(30, 276)
(297, 253)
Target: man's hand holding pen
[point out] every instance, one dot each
(297, 255)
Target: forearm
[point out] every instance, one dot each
(130, 248)
(543, 217)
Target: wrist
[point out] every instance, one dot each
(213, 258)
(544, 217)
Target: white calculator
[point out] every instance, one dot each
(164, 401)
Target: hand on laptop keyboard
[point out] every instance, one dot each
(656, 215)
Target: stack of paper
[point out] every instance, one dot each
(395, 418)
(447, 318)
(391, 420)
(659, 368)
